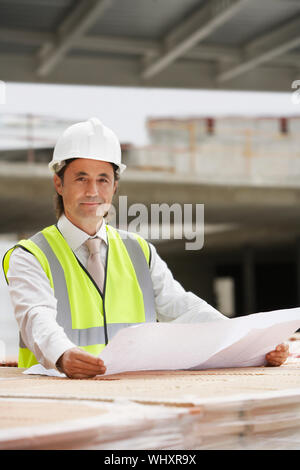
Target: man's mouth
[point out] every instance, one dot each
(101, 208)
(91, 203)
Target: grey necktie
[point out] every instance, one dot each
(94, 265)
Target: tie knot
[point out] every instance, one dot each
(93, 245)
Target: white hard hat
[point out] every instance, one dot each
(88, 139)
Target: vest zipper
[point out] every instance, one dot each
(103, 298)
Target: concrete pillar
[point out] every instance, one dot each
(249, 280)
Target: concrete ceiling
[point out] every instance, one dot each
(210, 44)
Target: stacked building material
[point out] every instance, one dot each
(255, 408)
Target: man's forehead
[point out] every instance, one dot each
(82, 165)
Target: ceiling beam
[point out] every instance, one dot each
(193, 30)
(264, 49)
(73, 27)
(113, 70)
(151, 48)
(133, 46)
(118, 44)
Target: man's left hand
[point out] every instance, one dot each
(278, 356)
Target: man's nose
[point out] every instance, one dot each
(92, 189)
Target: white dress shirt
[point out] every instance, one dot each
(35, 305)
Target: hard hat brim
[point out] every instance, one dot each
(56, 165)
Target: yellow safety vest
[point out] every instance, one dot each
(91, 318)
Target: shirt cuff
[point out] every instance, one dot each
(54, 352)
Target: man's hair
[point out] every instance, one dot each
(58, 200)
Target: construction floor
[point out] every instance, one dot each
(249, 408)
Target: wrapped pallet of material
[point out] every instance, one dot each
(246, 408)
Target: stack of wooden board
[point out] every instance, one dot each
(255, 408)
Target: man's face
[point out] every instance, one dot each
(87, 190)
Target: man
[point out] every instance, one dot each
(75, 284)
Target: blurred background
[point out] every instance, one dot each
(204, 97)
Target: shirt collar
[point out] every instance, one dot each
(74, 236)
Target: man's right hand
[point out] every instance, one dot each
(79, 364)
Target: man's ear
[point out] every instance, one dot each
(57, 184)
